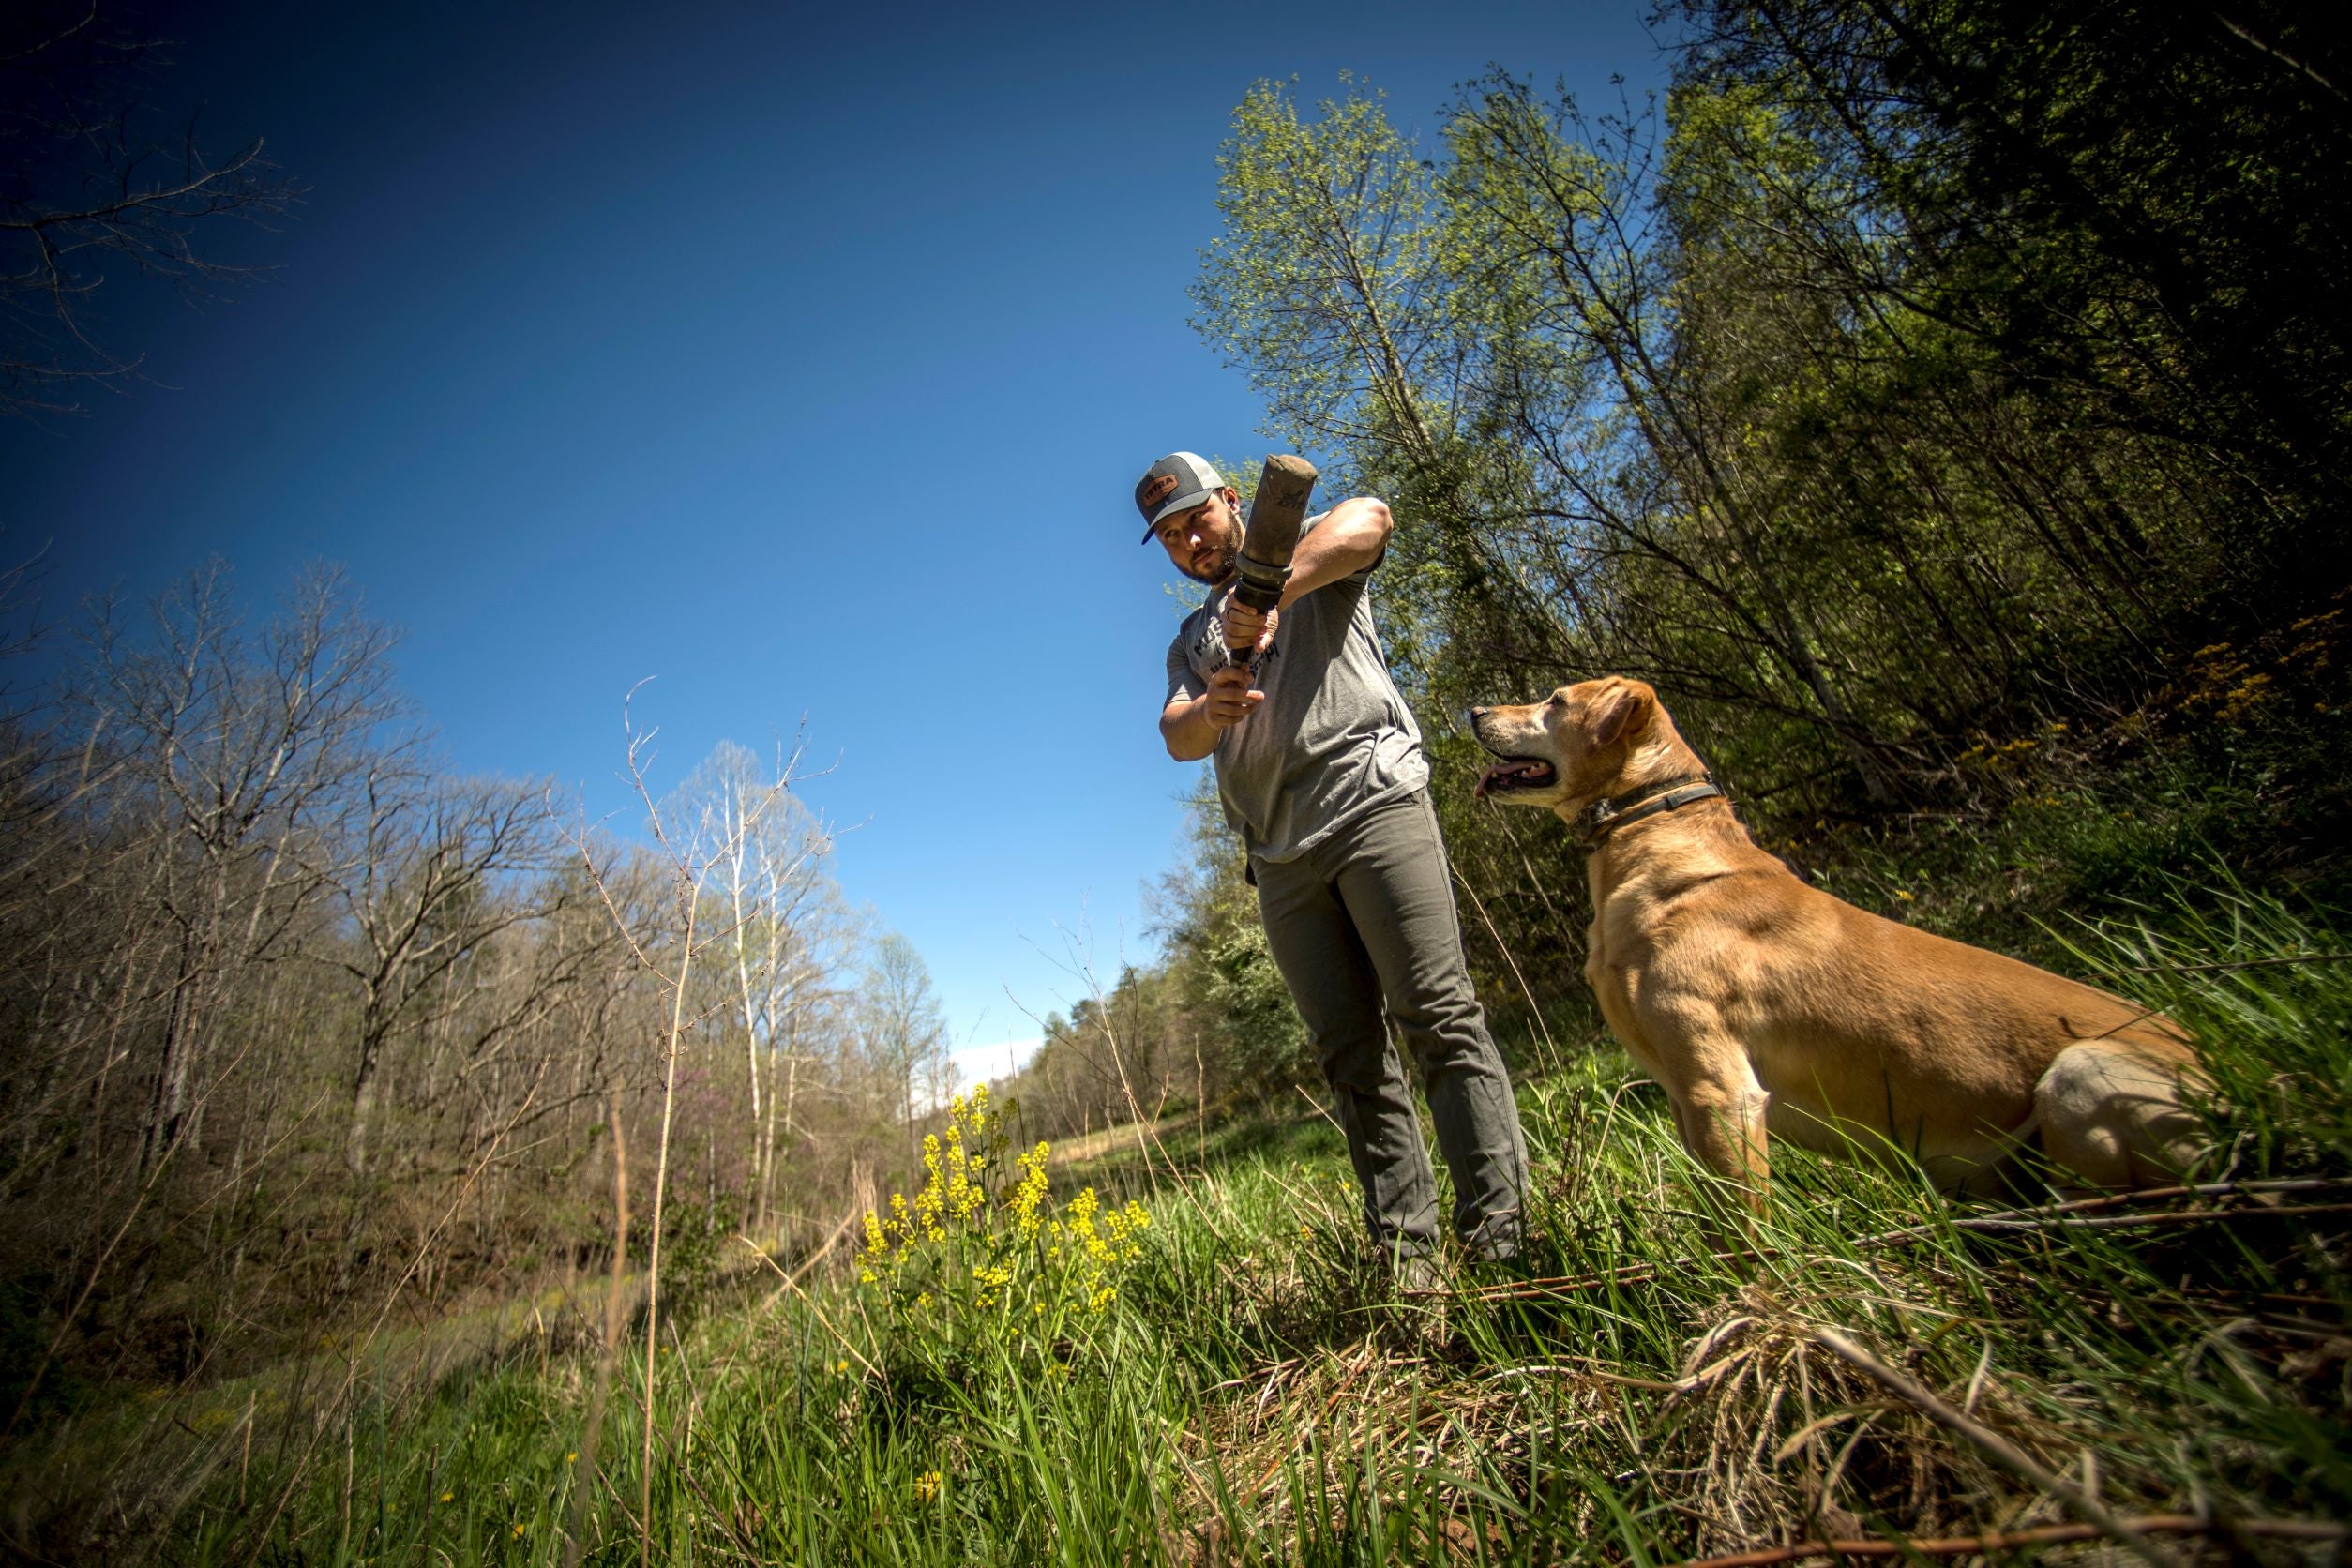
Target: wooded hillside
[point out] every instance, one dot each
(1946, 403)
(1945, 406)
(306, 1030)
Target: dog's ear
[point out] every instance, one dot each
(1622, 712)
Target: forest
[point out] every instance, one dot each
(1944, 403)
(1942, 408)
(308, 1025)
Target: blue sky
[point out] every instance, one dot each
(802, 359)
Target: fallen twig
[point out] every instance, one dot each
(791, 1283)
(1254, 1374)
(2240, 963)
(2128, 1222)
(2008, 1540)
(807, 1264)
(1570, 1285)
(2008, 1221)
(1993, 1446)
(2115, 1201)
(1547, 1369)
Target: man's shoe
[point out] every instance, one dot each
(1418, 1276)
(1499, 1241)
(1503, 1268)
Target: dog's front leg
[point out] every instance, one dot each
(1719, 1108)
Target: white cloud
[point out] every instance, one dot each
(979, 1064)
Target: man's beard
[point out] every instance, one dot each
(1220, 568)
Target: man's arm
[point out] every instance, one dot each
(1190, 725)
(1351, 537)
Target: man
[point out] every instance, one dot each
(1320, 770)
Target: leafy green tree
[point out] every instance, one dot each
(1888, 395)
(2135, 211)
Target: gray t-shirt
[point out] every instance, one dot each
(1334, 737)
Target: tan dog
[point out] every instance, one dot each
(1760, 1003)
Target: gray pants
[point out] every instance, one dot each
(1368, 917)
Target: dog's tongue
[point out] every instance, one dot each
(1521, 768)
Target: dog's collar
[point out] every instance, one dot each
(1614, 812)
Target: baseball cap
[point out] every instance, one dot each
(1176, 483)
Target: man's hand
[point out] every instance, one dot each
(1191, 726)
(1250, 628)
(1230, 699)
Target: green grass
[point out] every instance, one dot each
(1251, 1394)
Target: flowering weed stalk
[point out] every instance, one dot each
(974, 1259)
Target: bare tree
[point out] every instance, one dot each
(904, 1036)
(92, 185)
(780, 922)
(233, 752)
(246, 750)
(422, 895)
(693, 848)
(305, 1028)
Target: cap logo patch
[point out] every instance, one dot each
(1155, 489)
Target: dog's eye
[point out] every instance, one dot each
(1556, 702)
